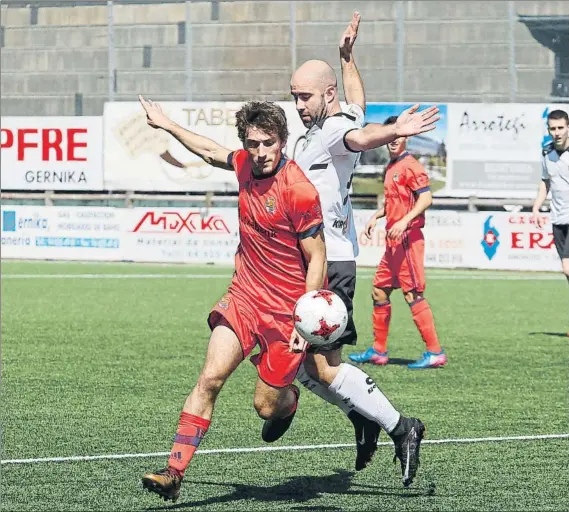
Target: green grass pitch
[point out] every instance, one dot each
(94, 366)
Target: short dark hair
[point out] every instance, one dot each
(558, 114)
(391, 120)
(263, 115)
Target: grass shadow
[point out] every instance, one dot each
(557, 334)
(400, 361)
(297, 490)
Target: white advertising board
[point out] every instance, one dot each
(181, 235)
(52, 153)
(62, 233)
(509, 241)
(483, 240)
(138, 157)
(494, 150)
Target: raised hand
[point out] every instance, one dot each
(411, 122)
(154, 115)
(349, 37)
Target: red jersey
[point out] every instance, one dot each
(405, 178)
(275, 212)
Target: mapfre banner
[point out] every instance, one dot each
(138, 157)
(51, 153)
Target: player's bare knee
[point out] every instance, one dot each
(210, 384)
(380, 295)
(266, 407)
(265, 411)
(412, 296)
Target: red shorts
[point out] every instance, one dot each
(276, 366)
(403, 265)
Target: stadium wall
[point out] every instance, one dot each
(60, 59)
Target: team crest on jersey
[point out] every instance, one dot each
(270, 204)
(224, 303)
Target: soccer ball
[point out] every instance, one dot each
(320, 317)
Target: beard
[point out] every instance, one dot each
(316, 118)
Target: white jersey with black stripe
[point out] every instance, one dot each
(329, 164)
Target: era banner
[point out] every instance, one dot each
(51, 153)
(481, 240)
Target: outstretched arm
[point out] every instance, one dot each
(353, 85)
(409, 123)
(207, 149)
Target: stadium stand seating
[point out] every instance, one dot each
(55, 59)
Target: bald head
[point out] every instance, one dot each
(315, 74)
(314, 88)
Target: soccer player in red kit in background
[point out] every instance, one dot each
(407, 196)
(281, 255)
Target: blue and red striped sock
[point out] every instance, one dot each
(189, 434)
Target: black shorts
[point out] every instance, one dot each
(561, 239)
(342, 281)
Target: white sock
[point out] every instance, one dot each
(322, 391)
(356, 388)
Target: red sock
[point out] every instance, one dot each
(381, 317)
(191, 430)
(423, 318)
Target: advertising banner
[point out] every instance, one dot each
(62, 233)
(494, 150)
(138, 157)
(51, 153)
(482, 240)
(181, 235)
(509, 241)
(444, 239)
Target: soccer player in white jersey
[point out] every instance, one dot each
(555, 178)
(332, 148)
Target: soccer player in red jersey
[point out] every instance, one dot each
(281, 255)
(407, 196)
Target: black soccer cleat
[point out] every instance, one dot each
(407, 438)
(276, 428)
(367, 434)
(166, 483)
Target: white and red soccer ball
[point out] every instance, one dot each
(320, 317)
